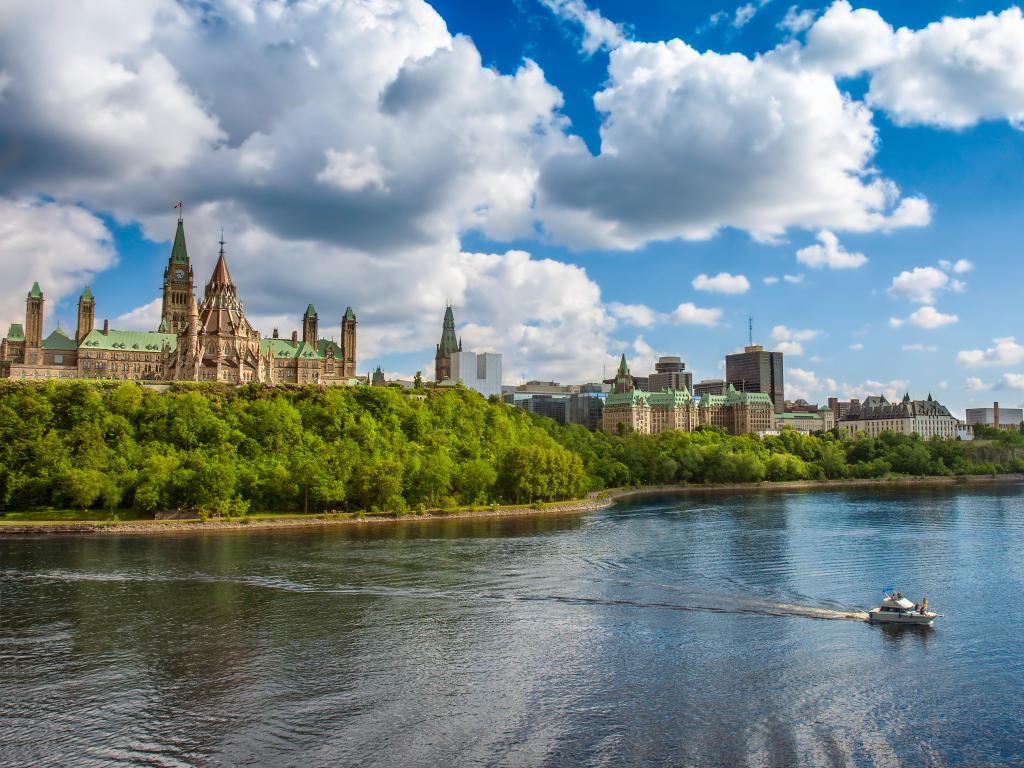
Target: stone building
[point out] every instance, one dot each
(927, 418)
(480, 372)
(447, 347)
(208, 340)
(649, 413)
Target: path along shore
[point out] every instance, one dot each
(593, 503)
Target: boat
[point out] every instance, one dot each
(897, 609)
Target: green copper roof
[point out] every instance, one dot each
(349, 314)
(449, 343)
(16, 332)
(163, 326)
(623, 366)
(36, 292)
(323, 345)
(87, 294)
(310, 311)
(633, 397)
(129, 341)
(179, 254)
(283, 348)
(59, 340)
(670, 398)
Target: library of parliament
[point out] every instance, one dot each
(206, 340)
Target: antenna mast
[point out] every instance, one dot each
(750, 329)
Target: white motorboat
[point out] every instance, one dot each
(896, 609)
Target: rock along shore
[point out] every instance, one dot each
(593, 503)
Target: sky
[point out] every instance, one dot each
(580, 179)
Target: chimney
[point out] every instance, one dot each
(106, 327)
(276, 334)
(295, 338)
(995, 415)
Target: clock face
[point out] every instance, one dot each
(179, 274)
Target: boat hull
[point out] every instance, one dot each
(887, 617)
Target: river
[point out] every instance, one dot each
(717, 629)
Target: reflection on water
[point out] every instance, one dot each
(707, 630)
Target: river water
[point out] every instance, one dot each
(717, 630)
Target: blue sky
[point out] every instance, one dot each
(580, 179)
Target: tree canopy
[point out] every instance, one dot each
(228, 450)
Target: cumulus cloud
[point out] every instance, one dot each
(60, 246)
(1004, 351)
(806, 384)
(829, 253)
(790, 340)
(144, 318)
(688, 313)
(793, 279)
(920, 284)
(770, 280)
(926, 317)
(962, 265)
(953, 73)
(634, 314)
(723, 282)
(598, 32)
(743, 15)
(692, 142)
(797, 20)
(857, 346)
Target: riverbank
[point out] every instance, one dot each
(595, 502)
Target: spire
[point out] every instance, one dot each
(179, 253)
(623, 366)
(349, 314)
(310, 311)
(36, 292)
(221, 278)
(449, 343)
(86, 294)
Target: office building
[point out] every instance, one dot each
(754, 370)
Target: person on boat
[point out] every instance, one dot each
(924, 605)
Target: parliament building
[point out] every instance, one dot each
(205, 340)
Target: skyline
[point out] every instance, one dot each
(446, 153)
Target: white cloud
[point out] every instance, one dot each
(144, 318)
(1014, 381)
(793, 348)
(796, 20)
(896, 322)
(771, 280)
(782, 333)
(353, 171)
(793, 279)
(635, 314)
(690, 314)
(693, 142)
(1005, 351)
(829, 253)
(953, 73)
(723, 282)
(920, 348)
(598, 32)
(974, 384)
(919, 284)
(930, 318)
(962, 265)
(744, 14)
(857, 347)
(60, 246)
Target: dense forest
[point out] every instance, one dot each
(225, 450)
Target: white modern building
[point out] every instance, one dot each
(480, 372)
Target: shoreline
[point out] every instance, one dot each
(593, 503)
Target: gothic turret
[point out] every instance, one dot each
(348, 342)
(86, 315)
(623, 378)
(179, 284)
(309, 325)
(448, 346)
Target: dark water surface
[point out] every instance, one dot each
(706, 630)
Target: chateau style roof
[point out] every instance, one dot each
(36, 292)
(310, 311)
(59, 340)
(283, 348)
(880, 408)
(349, 314)
(179, 254)
(732, 397)
(623, 366)
(130, 341)
(87, 294)
(16, 332)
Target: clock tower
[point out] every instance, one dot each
(179, 286)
